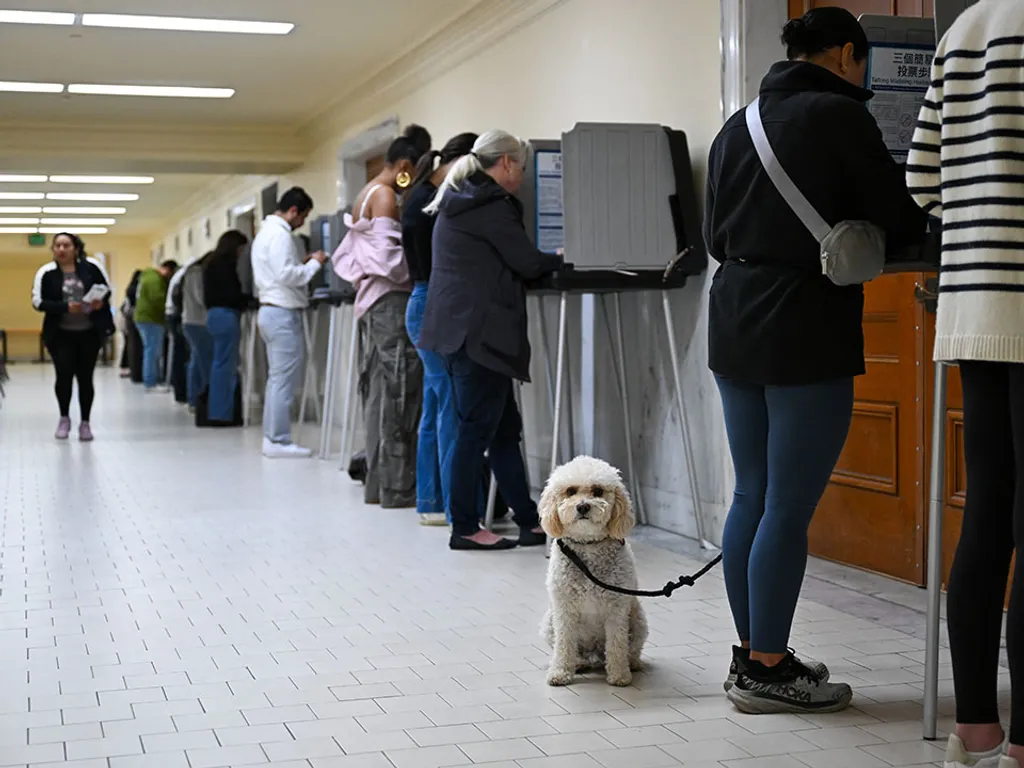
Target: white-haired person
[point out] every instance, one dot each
(476, 319)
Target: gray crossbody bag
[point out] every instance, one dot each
(852, 252)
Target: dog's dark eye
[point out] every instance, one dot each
(571, 491)
(598, 492)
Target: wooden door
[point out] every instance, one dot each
(873, 513)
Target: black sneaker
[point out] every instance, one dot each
(788, 687)
(531, 538)
(741, 657)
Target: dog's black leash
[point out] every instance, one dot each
(666, 591)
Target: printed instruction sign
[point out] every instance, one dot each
(550, 209)
(899, 76)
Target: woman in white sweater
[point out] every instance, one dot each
(967, 166)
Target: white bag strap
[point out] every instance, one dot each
(794, 197)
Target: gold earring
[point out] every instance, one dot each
(403, 180)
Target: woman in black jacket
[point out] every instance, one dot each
(73, 330)
(476, 319)
(785, 342)
(225, 300)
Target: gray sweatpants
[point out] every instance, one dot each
(282, 333)
(391, 388)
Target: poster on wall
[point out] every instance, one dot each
(899, 75)
(550, 209)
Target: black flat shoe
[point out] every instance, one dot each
(528, 538)
(462, 543)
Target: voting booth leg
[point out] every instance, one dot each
(250, 365)
(627, 422)
(350, 385)
(522, 437)
(492, 498)
(327, 417)
(936, 500)
(556, 420)
(691, 467)
(310, 330)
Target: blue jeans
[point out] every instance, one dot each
(489, 421)
(281, 330)
(785, 442)
(200, 360)
(225, 330)
(152, 350)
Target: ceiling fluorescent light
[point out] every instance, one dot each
(99, 179)
(21, 196)
(5, 222)
(13, 87)
(161, 91)
(12, 178)
(8, 209)
(183, 24)
(78, 222)
(73, 230)
(92, 197)
(77, 211)
(18, 230)
(37, 17)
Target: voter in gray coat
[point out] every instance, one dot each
(476, 319)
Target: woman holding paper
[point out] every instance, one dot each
(74, 293)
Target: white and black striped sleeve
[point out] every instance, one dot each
(924, 165)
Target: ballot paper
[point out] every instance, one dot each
(96, 293)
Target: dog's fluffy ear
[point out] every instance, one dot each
(621, 521)
(548, 508)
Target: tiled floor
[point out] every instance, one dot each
(171, 600)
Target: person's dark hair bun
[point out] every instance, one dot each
(794, 34)
(823, 29)
(419, 137)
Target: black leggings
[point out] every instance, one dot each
(993, 520)
(74, 356)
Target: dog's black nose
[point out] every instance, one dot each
(582, 509)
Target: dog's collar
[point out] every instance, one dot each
(574, 542)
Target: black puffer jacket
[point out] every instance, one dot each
(48, 296)
(476, 296)
(774, 318)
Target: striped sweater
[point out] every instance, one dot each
(966, 165)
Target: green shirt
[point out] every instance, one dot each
(150, 304)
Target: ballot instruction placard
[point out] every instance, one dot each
(550, 208)
(899, 75)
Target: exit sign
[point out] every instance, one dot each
(37, 240)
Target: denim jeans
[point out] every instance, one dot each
(225, 330)
(785, 442)
(281, 331)
(200, 360)
(152, 350)
(489, 421)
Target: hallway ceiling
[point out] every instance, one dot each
(282, 83)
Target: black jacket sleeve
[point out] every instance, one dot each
(875, 179)
(505, 233)
(715, 249)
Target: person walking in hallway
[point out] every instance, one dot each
(73, 330)
(966, 167)
(476, 319)
(439, 422)
(785, 341)
(224, 301)
(390, 373)
(281, 275)
(150, 315)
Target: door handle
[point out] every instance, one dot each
(928, 294)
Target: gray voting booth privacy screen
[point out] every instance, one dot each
(326, 234)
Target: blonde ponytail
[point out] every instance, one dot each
(487, 151)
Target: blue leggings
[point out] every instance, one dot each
(785, 442)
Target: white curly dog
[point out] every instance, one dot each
(585, 505)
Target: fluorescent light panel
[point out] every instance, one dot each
(22, 196)
(17, 230)
(159, 91)
(17, 87)
(14, 178)
(99, 179)
(37, 17)
(77, 211)
(6, 222)
(9, 209)
(73, 230)
(78, 222)
(185, 24)
(93, 197)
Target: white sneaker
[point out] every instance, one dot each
(274, 450)
(957, 756)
